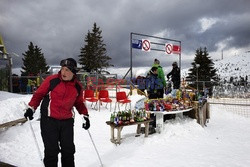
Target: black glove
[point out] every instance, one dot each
(29, 113)
(86, 123)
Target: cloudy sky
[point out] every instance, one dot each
(59, 27)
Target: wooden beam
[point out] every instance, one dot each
(13, 123)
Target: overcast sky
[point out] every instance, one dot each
(59, 27)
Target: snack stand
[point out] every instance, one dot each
(169, 105)
(181, 103)
(191, 104)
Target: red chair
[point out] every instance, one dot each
(104, 97)
(121, 97)
(89, 95)
(83, 92)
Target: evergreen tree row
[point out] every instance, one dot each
(93, 56)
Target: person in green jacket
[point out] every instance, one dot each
(161, 77)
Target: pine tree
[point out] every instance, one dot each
(93, 55)
(33, 61)
(203, 68)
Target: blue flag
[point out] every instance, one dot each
(137, 44)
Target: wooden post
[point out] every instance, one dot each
(138, 130)
(146, 129)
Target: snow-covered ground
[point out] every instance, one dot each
(224, 142)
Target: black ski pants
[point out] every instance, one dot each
(58, 136)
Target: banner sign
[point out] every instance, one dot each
(176, 49)
(137, 44)
(172, 49)
(145, 45)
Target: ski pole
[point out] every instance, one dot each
(95, 149)
(34, 136)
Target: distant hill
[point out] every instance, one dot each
(235, 66)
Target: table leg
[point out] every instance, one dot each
(112, 129)
(159, 122)
(138, 130)
(180, 115)
(146, 129)
(119, 129)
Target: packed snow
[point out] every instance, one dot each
(224, 142)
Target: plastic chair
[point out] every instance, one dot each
(104, 97)
(84, 100)
(89, 96)
(121, 97)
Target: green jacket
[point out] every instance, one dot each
(160, 74)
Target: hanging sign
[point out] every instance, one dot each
(136, 43)
(168, 48)
(172, 49)
(145, 45)
(176, 49)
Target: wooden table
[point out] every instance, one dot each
(119, 129)
(160, 114)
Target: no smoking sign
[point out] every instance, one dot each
(168, 48)
(145, 45)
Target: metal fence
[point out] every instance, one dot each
(222, 89)
(240, 106)
(28, 84)
(232, 90)
(233, 97)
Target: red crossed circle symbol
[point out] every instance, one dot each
(146, 45)
(168, 48)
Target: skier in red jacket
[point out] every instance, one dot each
(59, 93)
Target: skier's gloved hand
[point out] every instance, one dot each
(29, 113)
(86, 123)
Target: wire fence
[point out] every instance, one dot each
(233, 96)
(240, 106)
(232, 90)
(229, 96)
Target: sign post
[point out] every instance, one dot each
(172, 47)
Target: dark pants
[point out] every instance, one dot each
(152, 116)
(152, 96)
(160, 93)
(176, 84)
(58, 136)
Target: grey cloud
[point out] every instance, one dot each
(59, 27)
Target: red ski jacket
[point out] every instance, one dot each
(59, 97)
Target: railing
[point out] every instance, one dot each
(240, 106)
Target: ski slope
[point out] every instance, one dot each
(183, 143)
